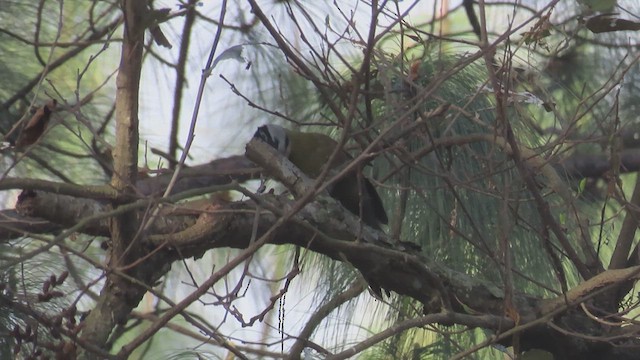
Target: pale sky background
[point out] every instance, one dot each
(223, 129)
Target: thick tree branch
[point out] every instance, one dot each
(81, 191)
(119, 296)
(397, 269)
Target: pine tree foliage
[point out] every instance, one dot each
(136, 226)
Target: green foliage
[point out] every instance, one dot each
(462, 198)
(456, 207)
(30, 79)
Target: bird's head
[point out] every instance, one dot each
(276, 136)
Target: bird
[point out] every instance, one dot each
(310, 152)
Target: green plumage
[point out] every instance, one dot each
(311, 152)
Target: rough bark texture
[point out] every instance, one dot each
(558, 325)
(119, 295)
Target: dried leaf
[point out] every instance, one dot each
(34, 129)
(234, 52)
(538, 32)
